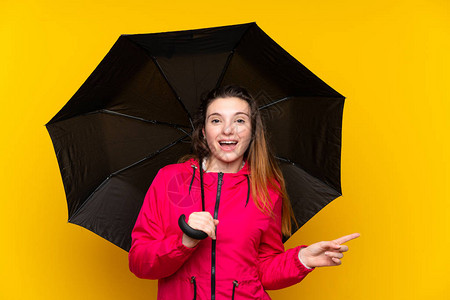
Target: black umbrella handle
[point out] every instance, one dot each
(189, 231)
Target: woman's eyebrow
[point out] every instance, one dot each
(213, 114)
(218, 114)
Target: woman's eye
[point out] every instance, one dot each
(215, 121)
(240, 121)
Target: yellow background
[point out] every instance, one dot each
(389, 58)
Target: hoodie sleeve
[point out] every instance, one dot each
(153, 254)
(278, 268)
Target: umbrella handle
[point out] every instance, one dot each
(189, 231)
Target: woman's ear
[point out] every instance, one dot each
(203, 132)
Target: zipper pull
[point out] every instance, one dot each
(235, 285)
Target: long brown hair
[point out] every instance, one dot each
(264, 170)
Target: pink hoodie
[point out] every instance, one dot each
(247, 257)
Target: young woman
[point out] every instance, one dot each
(246, 210)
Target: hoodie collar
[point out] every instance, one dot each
(243, 171)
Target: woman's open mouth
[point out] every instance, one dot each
(228, 145)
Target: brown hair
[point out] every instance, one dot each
(264, 170)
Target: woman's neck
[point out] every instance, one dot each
(216, 166)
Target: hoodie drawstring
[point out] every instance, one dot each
(248, 189)
(200, 164)
(193, 176)
(235, 285)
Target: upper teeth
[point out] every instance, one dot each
(228, 142)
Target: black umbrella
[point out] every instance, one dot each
(133, 115)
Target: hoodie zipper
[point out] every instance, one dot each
(213, 248)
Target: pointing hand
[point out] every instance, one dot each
(327, 253)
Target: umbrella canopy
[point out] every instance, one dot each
(133, 115)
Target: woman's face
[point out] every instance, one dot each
(228, 132)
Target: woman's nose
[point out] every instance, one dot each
(228, 129)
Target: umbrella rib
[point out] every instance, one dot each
(174, 91)
(275, 102)
(225, 68)
(231, 55)
(126, 168)
(176, 126)
(297, 165)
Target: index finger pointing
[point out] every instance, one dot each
(346, 238)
